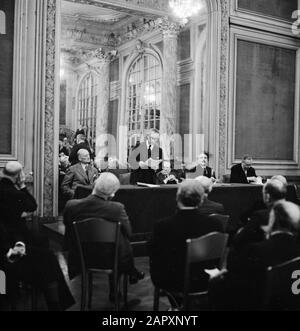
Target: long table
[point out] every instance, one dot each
(145, 206)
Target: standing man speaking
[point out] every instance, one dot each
(146, 160)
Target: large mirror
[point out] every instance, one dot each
(125, 72)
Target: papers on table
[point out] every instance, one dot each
(147, 185)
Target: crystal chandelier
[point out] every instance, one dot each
(183, 9)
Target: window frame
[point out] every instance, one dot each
(87, 103)
(136, 129)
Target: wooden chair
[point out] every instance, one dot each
(99, 231)
(279, 294)
(224, 219)
(207, 248)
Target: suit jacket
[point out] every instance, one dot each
(168, 248)
(199, 171)
(252, 232)
(13, 203)
(142, 153)
(238, 175)
(96, 207)
(210, 207)
(73, 158)
(75, 176)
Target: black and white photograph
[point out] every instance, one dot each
(149, 158)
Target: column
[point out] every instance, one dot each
(170, 31)
(101, 64)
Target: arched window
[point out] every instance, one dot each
(143, 99)
(87, 107)
(2, 22)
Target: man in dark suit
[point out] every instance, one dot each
(146, 160)
(22, 256)
(168, 243)
(82, 173)
(273, 191)
(209, 207)
(81, 143)
(200, 168)
(99, 205)
(243, 173)
(242, 287)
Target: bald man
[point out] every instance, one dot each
(82, 173)
(23, 257)
(209, 207)
(99, 205)
(15, 200)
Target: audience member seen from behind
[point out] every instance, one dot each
(200, 168)
(81, 143)
(99, 205)
(23, 256)
(168, 243)
(243, 173)
(209, 207)
(273, 191)
(82, 173)
(243, 286)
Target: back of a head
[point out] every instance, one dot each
(206, 183)
(106, 185)
(276, 190)
(286, 216)
(190, 193)
(281, 178)
(12, 169)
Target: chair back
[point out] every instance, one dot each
(97, 231)
(279, 293)
(223, 219)
(207, 248)
(204, 249)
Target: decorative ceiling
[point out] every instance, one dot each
(90, 12)
(89, 25)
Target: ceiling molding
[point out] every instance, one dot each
(131, 7)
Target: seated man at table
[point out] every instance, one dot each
(242, 287)
(168, 242)
(209, 207)
(82, 173)
(146, 160)
(243, 173)
(200, 168)
(23, 256)
(99, 205)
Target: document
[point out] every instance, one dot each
(147, 185)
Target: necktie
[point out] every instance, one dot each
(87, 174)
(149, 152)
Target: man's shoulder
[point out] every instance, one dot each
(115, 205)
(236, 167)
(164, 223)
(74, 167)
(75, 202)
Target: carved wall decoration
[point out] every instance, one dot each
(49, 110)
(223, 84)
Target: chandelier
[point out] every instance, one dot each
(184, 9)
